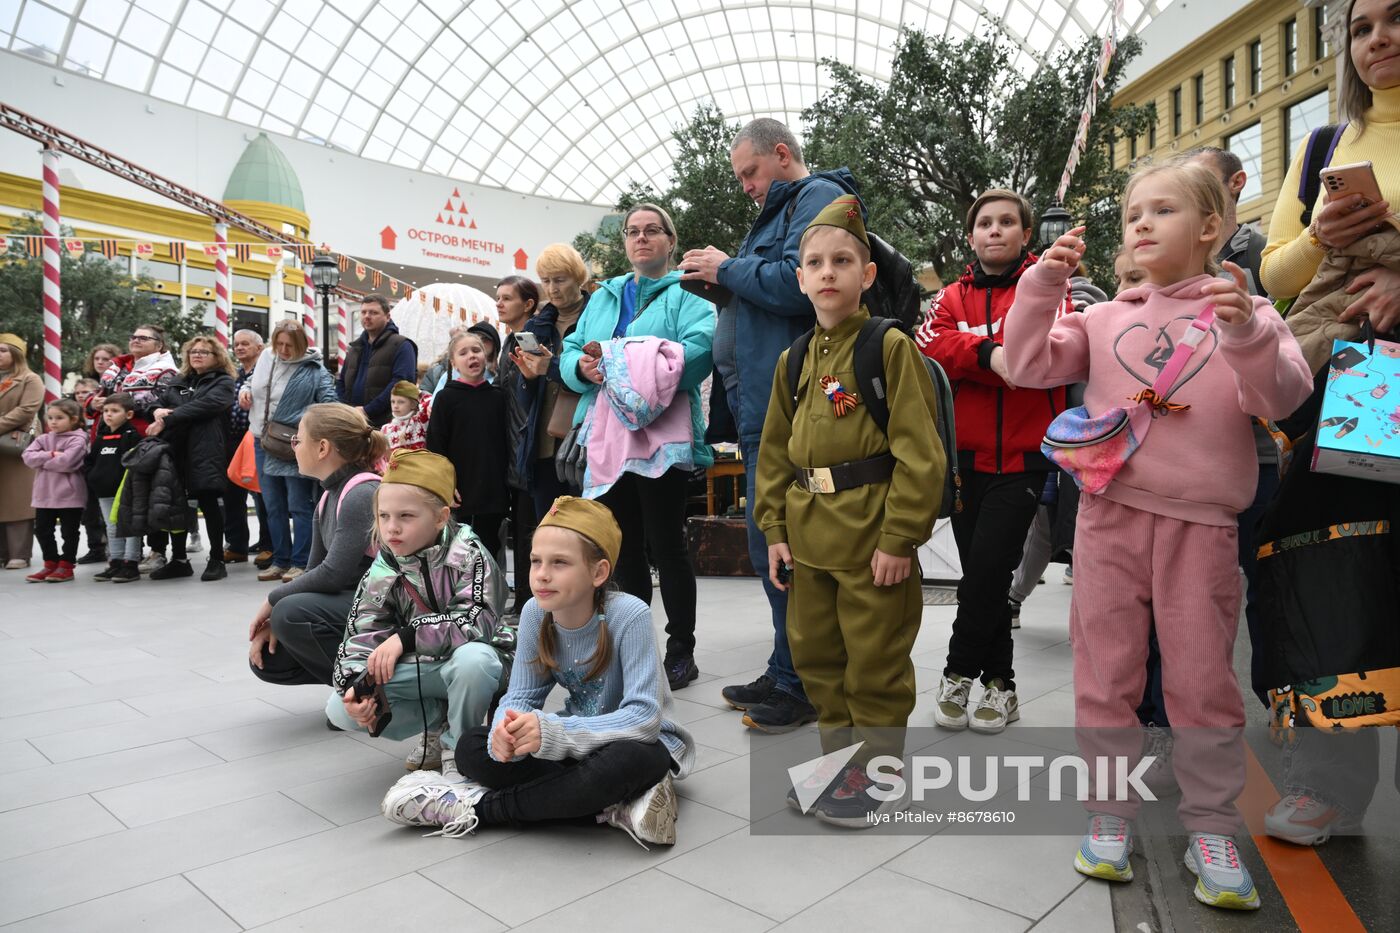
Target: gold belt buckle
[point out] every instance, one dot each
(819, 480)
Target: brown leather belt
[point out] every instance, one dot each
(845, 476)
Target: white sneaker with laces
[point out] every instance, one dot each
(950, 709)
(995, 709)
(1104, 849)
(423, 798)
(1304, 820)
(1221, 878)
(450, 774)
(648, 817)
(153, 562)
(194, 543)
(429, 759)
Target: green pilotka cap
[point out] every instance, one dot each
(844, 212)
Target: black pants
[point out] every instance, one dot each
(211, 504)
(487, 526)
(309, 628)
(990, 531)
(236, 521)
(522, 523)
(547, 487)
(651, 513)
(534, 790)
(94, 523)
(47, 522)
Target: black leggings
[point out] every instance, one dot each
(212, 505)
(47, 522)
(534, 790)
(487, 526)
(651, 513)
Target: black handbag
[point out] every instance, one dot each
(571, 459)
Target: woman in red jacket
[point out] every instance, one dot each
(999, 430)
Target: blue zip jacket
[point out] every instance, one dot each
(310, 384)
(768, 311)
(664, 310)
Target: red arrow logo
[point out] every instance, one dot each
(521, 259)
(388, 238)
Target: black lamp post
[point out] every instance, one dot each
(325, 275)
(1055, 222)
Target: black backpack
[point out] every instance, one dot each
(870, 388)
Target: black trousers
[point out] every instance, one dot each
(651, 513)
(211, 504)
(236, 521)
(990, 531)
(47, 523)
(534, 790)
(309, 628)
(522, 523)
(487, 526)
(94, 523)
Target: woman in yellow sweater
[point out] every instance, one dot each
(1329, 566)
(1371, 102)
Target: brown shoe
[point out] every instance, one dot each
(235, 557)
(263, 560)
(272, 574)
(292, 574)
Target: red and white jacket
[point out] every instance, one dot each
(999, 429)
(411, 431)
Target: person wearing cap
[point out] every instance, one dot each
(21, 395)
(844, 507)
(426, 623)
(612, 753)
(408, 429)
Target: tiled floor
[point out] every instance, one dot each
(148, 781)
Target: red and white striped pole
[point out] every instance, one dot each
(223, 304)
(53, 292)
(308, 311)
(342, 330)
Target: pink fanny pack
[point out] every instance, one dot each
(1093, 449)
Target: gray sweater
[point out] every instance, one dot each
(339, 538)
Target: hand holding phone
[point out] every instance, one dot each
(1338, 181)
(528, 342)
(593, 349)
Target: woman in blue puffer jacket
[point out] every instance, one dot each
(288, 379)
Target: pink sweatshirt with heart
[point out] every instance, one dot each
(1197, 465)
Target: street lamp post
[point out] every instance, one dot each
(325, 276)
(1055, 222)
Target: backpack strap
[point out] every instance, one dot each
(870, 369)
(797, 354)
(1322, 143)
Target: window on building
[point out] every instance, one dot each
(1248, 144)
(1132, 149)
(1300, 119)
(249, 284)
(1256, 67)
(1290, 46)
(1152, 134)
(1199, 86)
(1320, 47)
(1176, 110)
(167, 271)
(1227, 82)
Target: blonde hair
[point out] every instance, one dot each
(1201, 188)
(431, 499)
(293, 329)
(348, 431)
(221, 358)
(547, 648)
(19, 358)
(458, 338)
(561, 259)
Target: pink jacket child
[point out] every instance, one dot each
(57, 462)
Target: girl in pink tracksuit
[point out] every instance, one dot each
(56, 457)
(1157, 546)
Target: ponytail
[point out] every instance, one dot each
(348, 431)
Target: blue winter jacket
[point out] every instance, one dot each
(310, 384)
(664, 310)
(768, 310)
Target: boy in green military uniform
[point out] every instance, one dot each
(844, 507)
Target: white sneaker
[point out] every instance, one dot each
(649, 817)
(1104, 850)
(1305, 821)
(423, 798)
(153, 562)
(1159, 777)
(1222, 880)
(426, 760)
(450, 774)
(995, 709)
(193, 542)
(950, 710)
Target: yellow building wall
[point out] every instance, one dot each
(1263, 21)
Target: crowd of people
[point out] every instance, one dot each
(382, 492)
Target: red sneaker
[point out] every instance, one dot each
(39, 576)
(63, 574)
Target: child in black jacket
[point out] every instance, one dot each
(113, 437)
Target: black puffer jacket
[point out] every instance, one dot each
(152, 497)
(198, 428)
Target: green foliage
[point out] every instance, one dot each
(102, 303)
(955, 119)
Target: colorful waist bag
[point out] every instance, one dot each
(1093, 449)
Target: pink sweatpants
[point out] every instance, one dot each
(1133, 569)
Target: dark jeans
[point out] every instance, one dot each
(547, 487)
(236, 520)
(990, 531)
(534, 790)
(290, 501)
(780, 666)
(487, 526)
(522, 522)
(651, 513)
(94, 523)
(47, 522)
(211, 504)
(309, 628)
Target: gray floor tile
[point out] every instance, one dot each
(171, 905)
(884, 900)
(348, 796)
(649, 902)
(960, 864)
(50, 825)
(155, 728)
(409, 902)
(54, 722)
(20, 756)
(1087, 910)
(54, 782)
(260, 738)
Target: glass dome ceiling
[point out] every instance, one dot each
(569, 99)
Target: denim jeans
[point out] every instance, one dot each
(287, 497)
(118, 548)
(780, 661)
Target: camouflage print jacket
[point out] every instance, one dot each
(436, 600)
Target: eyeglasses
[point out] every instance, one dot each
(651, 232)
(200, 353)
(142, 337)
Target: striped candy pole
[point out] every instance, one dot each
(53, 293)
(222, 290)
(308, 311)
(342, 330)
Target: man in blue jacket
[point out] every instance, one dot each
(375, 362)
(767, 313)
